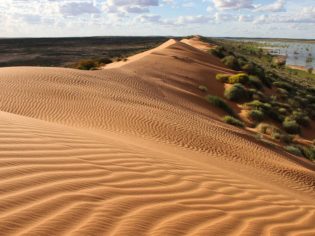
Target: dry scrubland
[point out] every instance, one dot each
(136, 149)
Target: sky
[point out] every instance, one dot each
(227, 18)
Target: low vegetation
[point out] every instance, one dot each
(280, 115)
(293, 150)
(203, 88)
(256, 115)
(233, 121)
(220, 103)
(237, 92)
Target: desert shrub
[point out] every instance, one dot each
(241, 61)
(291, 126)
(283, 92)
(255, 82)
(258, 105)
(231, 62)
(282, 110)
(309, 152)
(237, 92)
(220, 103)
(301, 118)
(311, 90)
(104, 61)
(249, 68)
(256, 115)
(203, 88)
(218, 51)
(233, 121)
(310, 98)
(275, 115)
(286, 138)
(268, 129)
(224, 78)
(238, 78)
(284, 85)
(302, 101)
(293, 150)
(87, 65)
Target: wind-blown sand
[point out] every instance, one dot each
(135, 150)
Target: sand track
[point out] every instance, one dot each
(135, 150)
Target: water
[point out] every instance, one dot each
(297, 53)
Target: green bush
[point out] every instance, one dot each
(233, 121)
(301, 118)
(293, 150)
(220, 103)
(291, 126)
(236, 93)
(309, 152)
(238, 78)
(258, 105)
(284, 85)
(249, 68)
(218, 51)
(255, 82)
(275, 115)
(203, 88)
(231, 62)
(256, 115)
(224, 78)
(282, 111)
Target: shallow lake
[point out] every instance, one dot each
(297, 53)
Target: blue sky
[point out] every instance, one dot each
(235, 18)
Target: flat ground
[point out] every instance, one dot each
(66, 51)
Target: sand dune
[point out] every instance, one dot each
(135, 150)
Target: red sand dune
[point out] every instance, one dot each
(135, 150)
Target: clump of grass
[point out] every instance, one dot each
(268, 129)
(241, 78)
(275, 133)
(256, 115)
(220, 103)
(236, 93)
(291, 126)
(203, 88)
(233, 121)
(231, 62)
(224, 78)
(293, 150)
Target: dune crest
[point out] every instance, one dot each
(135, 150)
(139, 55)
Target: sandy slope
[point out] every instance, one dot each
(135, 150)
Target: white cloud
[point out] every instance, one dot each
(199, 19)
(233, 4)
(78, 8)
(277, 6)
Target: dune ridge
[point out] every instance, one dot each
(135, 150)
